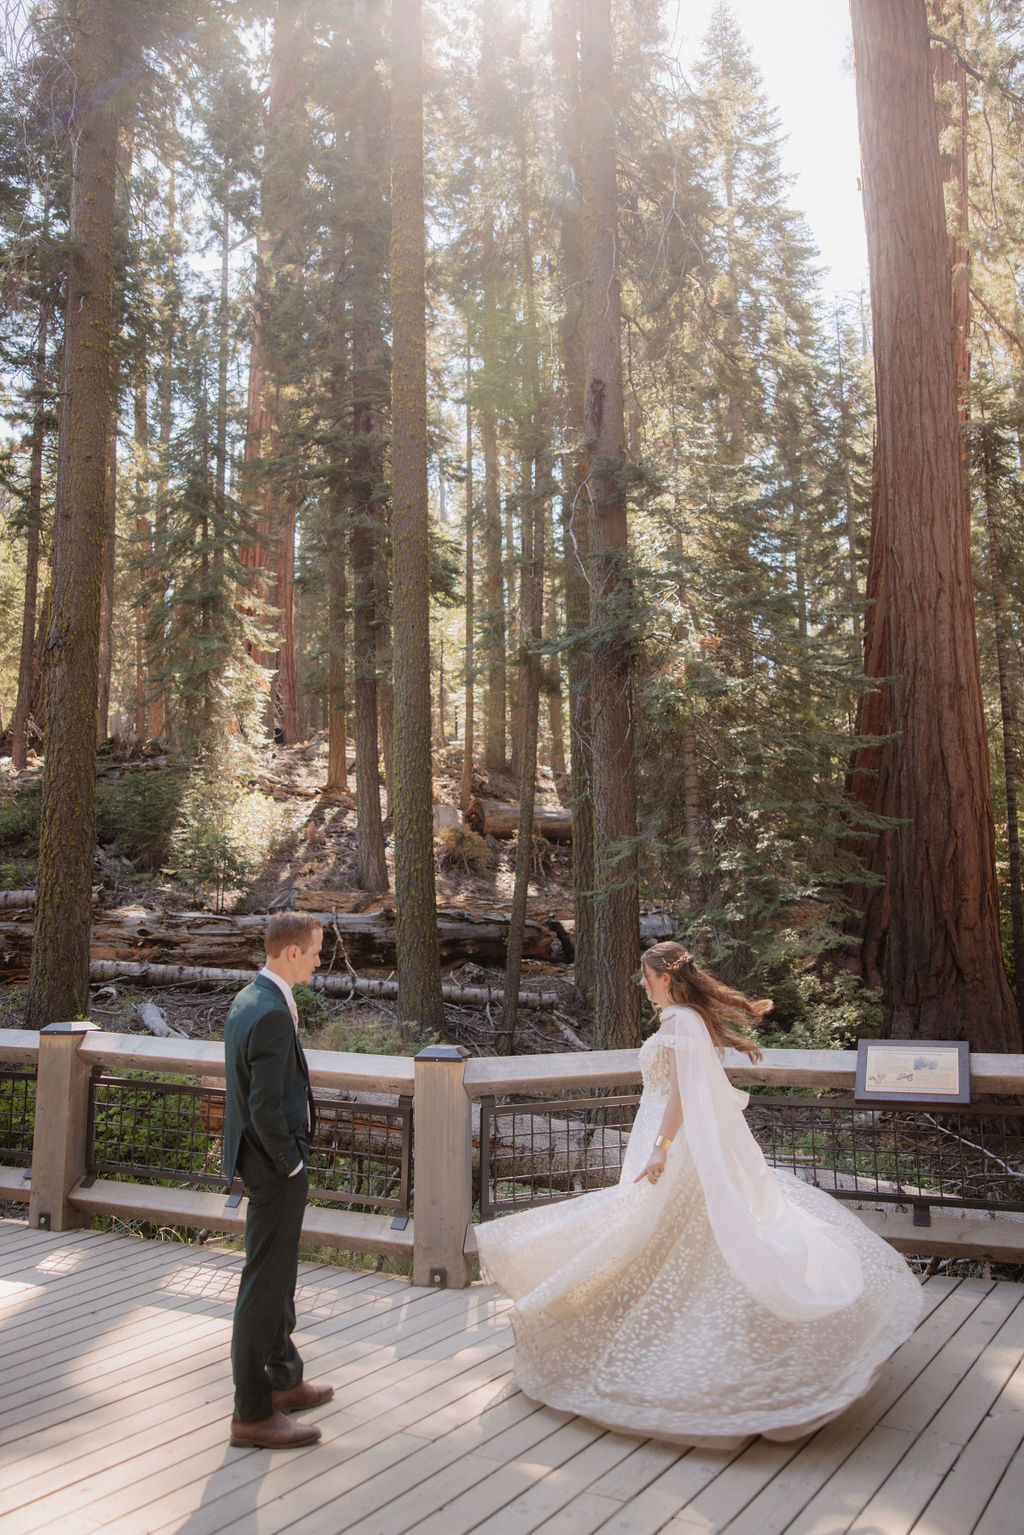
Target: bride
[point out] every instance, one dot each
(706, 1296)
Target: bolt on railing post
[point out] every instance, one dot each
(443, 1171)
(61, 1126)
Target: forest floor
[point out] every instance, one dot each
(317, 851)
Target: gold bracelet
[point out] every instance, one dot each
(664, 1141)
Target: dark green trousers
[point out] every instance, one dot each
(263, 1356)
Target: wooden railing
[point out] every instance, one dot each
(440, 1239)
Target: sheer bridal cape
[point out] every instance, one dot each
(727, 1299)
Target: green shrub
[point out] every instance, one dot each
(19, 821)
(136, 813)
(224, 835)
(826, 1012)
(311, 1006)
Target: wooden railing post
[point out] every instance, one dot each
(443, 1170)
(61, 1126)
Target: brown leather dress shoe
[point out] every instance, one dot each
(298, 1398)
(274, 1433)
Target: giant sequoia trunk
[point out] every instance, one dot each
(616, 933)
(942, 965)
(59, 980)
(419, 977)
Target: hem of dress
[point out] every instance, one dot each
(782, 1426)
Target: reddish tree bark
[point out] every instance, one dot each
(943, 969)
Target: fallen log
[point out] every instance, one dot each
(362, 940)
(352, 940)
(24, 900)
(496, 818)
(208, 979)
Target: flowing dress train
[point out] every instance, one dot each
(727, 1299)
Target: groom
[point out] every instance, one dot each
(268, 1125)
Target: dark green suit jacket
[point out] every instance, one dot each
(269, 1101)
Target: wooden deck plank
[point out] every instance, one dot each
(918, 1406)
(961, 1498)
(584, 1516)
(109, 1469)
(917, 1478)
(481, 1416)
(112, 1369)
(712, 1486)
(947, 1307)
(1002, 1515)
(469, 1487)
(543, 1499)
(149, 1413)
(647, 1462)
(836, 1504)
(350, 1460)
(223, 1316)
(350, 1455)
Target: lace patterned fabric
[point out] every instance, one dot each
(627, 1312)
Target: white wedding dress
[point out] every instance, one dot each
(725, 1300)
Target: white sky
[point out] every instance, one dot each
(803, 51)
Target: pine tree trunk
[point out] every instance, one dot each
(270, 554)
(1006, 717)
(533, 607)
(106, 656)
(468, 708)
(369, 395)
(59, 977)
(556, 724)
(143, 549)
(159, 723)
(37, 708)
(565, 27)
(386, 705)
(616, 878)
(22, 708)
(943, 968)
(337, 602)
(419, 975)
(285, 518)
(492, 617)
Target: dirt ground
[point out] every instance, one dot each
(319, 853)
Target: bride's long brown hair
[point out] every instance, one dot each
(717, 1004)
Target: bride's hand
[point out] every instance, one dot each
(654, 1169)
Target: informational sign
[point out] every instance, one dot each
(913, 1071)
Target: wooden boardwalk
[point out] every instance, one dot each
(115, 1398)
